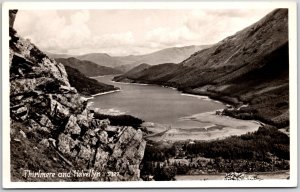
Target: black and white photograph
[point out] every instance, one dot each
(149, 94)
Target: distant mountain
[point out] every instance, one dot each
(250, 67)
(84, 85)
(125, 63)
(153, 74)
(169, 55)
(58, 55)
(88, 68)
(138, 69)
(100, 59)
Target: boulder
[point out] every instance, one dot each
(66, 144)
(123, 142)
(44, 142)
(101, 159)
(58, 110)
(37, 127)
(20, 112)
(45, 122)
(72, 127)
(66, 89)
(85, 152)
(102, 137)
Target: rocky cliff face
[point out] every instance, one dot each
(50, 113)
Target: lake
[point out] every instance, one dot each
(154, 103)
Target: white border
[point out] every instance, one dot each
(151, 5)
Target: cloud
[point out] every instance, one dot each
(48, 30)
(129, 32)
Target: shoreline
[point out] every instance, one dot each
(97, 76)
(101, 93)
(107, 92)
(184, 93)
(104, 75)
(220, 127)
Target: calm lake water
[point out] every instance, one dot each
(154, 103)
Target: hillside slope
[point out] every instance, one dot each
(53, 130)
(102, 59)
(84, 85)
(125, 63)
(250, 67)
(88, 68)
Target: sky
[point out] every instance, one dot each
(130, 32)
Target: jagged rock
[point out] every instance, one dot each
(96, 123)
(112, 129)
(72, 126)
(66, 144)
(21, 86)
(46, 122)
(39, 88)
(23, 134)
(85, 152)
(33, 124)
(101, 159)
(74, 102)
(56, 70)
(58, 110)
(125, 138)
(102, 137)
(44, 142)
(82, 120)
(66, 89)
(93, 141)
(21, 112)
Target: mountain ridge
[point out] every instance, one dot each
(125, 63)
(88, 68)
(249, 67)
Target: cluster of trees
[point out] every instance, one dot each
(167, 170)
(267, 149)
(120, 120)
(250, 146)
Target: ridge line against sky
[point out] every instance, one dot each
(130, 32)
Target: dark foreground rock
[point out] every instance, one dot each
(52, 130)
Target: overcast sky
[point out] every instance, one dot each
(125, 32)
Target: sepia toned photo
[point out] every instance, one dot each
(149, 95)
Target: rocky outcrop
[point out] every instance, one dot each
(57, 117)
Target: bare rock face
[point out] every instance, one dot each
(56, 116)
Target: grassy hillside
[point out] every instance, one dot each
(88, 68)
(85, 85)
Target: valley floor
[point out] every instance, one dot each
(218, 127)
